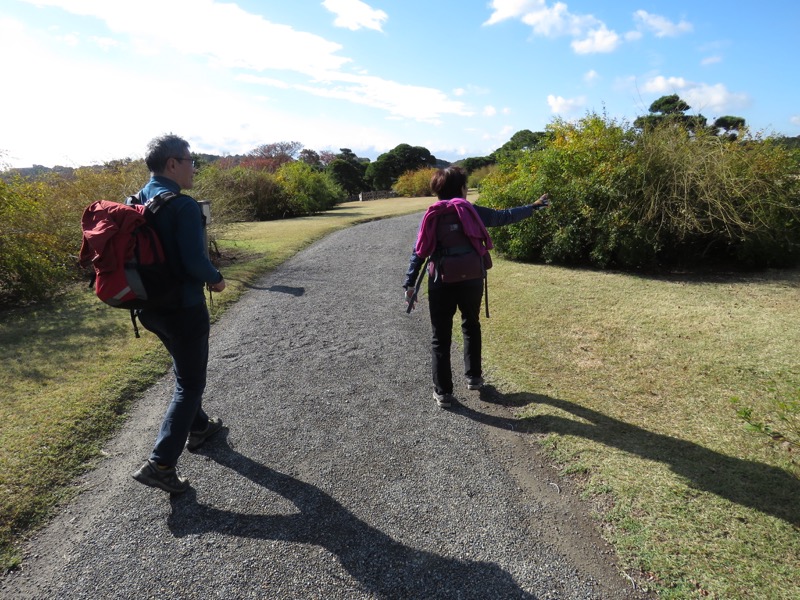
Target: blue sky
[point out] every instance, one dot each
(86, 81)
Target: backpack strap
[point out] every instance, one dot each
(159, 201)
(486, 292)
(133, 320)
(136, 199)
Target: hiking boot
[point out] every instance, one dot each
(198, 438)
(443, 400)
(474, 383)
(165, 479)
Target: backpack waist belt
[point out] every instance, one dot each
(456, 250)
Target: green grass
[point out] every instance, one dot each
(71, 368)
(627, 381)
(624, 381)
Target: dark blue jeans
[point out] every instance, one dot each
(443, 300)
(184, 333)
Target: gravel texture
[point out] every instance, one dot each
(337, 475)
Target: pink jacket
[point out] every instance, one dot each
(474, 228)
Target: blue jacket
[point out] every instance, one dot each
(181, 229)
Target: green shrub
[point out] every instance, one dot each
(663, 197)
(31, 262)
(718, 199)
(309, 191)
(415, 184)
(40, 226)
(478, 175)
(242, 194)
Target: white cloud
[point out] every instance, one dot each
(711, 60)
(104, 43)
(223, 34)
(399, 100)
(661, 26)
(489, 111)
(664, 85)
(590, 34)
(598, 40)
(232, 118)
(715, 98)
(228, 37)
(354, 15)
(591, 76)
(70, 39)
(512, 9)
(795, 120)
(565, 106)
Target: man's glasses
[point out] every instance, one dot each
(181, 159)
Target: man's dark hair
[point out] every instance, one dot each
(161, 149)
(449, 183)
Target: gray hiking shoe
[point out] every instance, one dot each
(165, 479)
(474, 383)
(443, 400)
(198, 438)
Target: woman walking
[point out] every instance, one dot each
(453, 234)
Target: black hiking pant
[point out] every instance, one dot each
(443, 300)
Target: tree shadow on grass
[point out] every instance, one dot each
(765, 488)
(380, 564)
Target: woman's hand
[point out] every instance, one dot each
(409, 297)
(543, 201)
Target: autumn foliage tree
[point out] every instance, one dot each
(270, 157)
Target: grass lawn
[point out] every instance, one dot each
(625, 381)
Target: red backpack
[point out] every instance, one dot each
(130, 269)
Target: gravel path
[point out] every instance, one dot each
(338, 477)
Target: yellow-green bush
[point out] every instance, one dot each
(30, 257)
(478, 175)
(40, 233)
(628, 198)
(244, 194)
(309, 191)
(415, 184)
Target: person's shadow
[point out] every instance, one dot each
(766, 488)
(381, 565)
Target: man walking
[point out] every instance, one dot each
(184, 331)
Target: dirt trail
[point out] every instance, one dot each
(338, 476)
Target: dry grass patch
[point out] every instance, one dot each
(628, 379)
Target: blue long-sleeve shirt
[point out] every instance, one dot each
(181, 230)
(491, 218)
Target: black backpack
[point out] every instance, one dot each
(455, 258)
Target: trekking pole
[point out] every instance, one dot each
(413, 300)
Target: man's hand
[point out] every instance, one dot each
(217, 287)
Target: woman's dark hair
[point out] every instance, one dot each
(449, 183)
(161, 149)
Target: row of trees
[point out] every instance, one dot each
(667, 190)
(352, 173)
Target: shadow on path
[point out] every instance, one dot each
(381, 565)
(768, 489)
